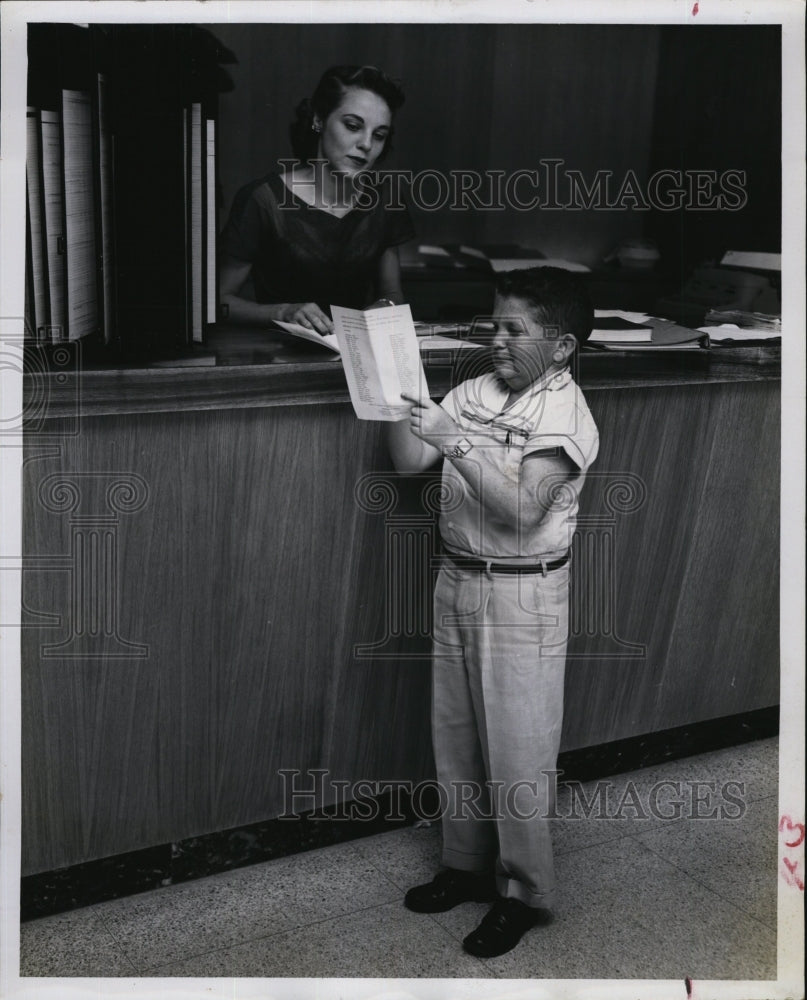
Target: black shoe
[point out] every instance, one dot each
(450, 888)
(503, 927)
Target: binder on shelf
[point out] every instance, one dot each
(30, 307)
(103, 165)
(202, 51)
(197, 214)
(211, 221)
(81, 257)
(186, 194)
(53, 200)
(36, 260)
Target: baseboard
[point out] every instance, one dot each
(79, 885)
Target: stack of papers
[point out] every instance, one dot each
(615, 328)
(499, 256)
(642, 333)
(753, 260)
(736, 324)
(305, 333)
(731, 333)
(427, 255)
(517, 263)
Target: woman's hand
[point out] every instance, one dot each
(430, 422)
(307, 314)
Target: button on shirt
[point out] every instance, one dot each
(553, 414)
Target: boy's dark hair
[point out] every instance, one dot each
(328, 96)
(558, 298)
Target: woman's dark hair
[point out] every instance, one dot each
(328, 96)
(558, 298)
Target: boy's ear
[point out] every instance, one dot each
(564, 349)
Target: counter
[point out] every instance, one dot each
(246, 368)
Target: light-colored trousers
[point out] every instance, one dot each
(497, 709)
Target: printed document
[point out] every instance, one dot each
(380, 352)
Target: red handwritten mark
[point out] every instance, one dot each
(788, 828)
(793, 879)
(786, 821)
(688, 980)
(695, 10)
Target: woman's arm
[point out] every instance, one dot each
(234, 274)
(388, 276)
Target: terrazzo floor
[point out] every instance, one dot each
(641, 898)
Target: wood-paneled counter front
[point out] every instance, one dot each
(225, 581)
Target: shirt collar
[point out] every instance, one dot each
(550, 382)
(489, 409)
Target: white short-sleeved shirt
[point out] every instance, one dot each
(552, 414)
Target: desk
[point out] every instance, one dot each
(240, 557)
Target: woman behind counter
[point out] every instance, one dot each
(305, 236)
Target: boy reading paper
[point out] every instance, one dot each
(516, 445)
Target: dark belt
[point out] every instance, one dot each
(469, 562)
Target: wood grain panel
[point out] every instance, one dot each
(728, 611)
(90, 738)
(696, 567)
(251, 575)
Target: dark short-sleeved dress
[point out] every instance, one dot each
(302, 254)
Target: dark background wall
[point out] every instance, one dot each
(599, 97)
(719, 106)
